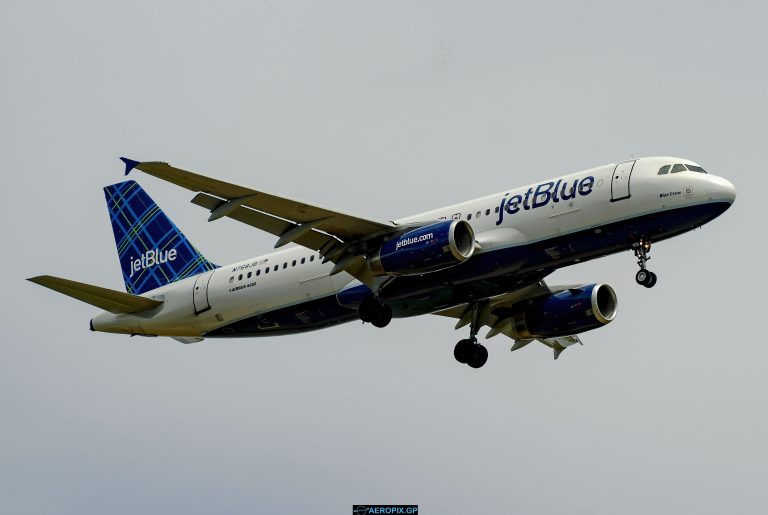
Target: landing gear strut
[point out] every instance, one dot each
(469, 351)
(644, 277)
(374, 311)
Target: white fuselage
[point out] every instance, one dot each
(582, 203)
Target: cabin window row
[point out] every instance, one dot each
(480, 213)
(274, 268)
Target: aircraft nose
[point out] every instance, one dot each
(722, 189)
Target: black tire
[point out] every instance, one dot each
(382, 316)
(642, 276)
(366, 310)
(652, 280)
(479, 357)
(463, 351)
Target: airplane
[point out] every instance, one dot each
(481, 262)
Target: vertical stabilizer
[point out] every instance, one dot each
(153, 252)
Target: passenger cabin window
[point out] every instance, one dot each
(266, 270)
(249, 275)
(477, 215)
(678, 168)
(664, 169)
(276, 267)
(496, 209)
(303, 260)
(240, 277)
(469, 216)
(294, 263)
(258, 272)
(312, 257)
(487, 212)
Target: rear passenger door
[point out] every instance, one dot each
(200, 295)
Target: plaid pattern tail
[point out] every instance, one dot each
(153, 252)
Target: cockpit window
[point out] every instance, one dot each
(678, 168)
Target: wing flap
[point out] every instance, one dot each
(110, 300)
(312, 239)
(559, 343)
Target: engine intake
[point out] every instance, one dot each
(567, 312)
(425, 249)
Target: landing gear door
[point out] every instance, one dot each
(620, 180)
(200, 293)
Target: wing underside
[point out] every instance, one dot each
(497, 314)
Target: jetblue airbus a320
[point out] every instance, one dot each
(482, 262)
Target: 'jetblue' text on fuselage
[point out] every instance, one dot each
(543, 194)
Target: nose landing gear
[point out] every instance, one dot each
(469, 351)
(644, 277)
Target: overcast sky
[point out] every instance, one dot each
(383, 109)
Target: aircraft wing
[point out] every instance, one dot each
(339, 237)
(497, 313)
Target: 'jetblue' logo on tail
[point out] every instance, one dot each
(151, 258)
(153, 252)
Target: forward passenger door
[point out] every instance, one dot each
(620, 180)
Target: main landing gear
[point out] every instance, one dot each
(469, 351)
(644, 277)
(374, 311)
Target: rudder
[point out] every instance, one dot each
(153, 252)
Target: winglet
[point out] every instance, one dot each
(130, 164)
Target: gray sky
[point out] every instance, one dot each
(383, 109)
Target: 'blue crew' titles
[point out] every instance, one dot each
(554, 191)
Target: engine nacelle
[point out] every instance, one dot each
(571, 311)
(425, 249)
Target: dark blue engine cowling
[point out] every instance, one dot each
(567, 312)
(425, 249)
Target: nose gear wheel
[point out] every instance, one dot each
(644, 277)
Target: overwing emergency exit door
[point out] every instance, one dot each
(620, 180)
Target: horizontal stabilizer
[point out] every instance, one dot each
(110, 300)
